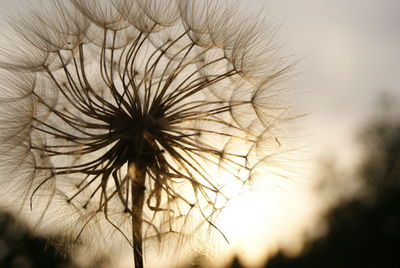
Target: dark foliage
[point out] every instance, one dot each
(20, 249)
(361, 235)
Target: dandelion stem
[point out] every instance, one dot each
(137, 175)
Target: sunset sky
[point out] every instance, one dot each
(350, 52)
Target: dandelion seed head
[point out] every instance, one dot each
(119, 115)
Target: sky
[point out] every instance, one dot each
(350, 57)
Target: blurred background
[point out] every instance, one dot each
(341, 192)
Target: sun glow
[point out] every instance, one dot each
(269, 214)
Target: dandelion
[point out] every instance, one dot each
(115, 115)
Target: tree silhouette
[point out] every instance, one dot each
(21, 249)
(363, 231)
